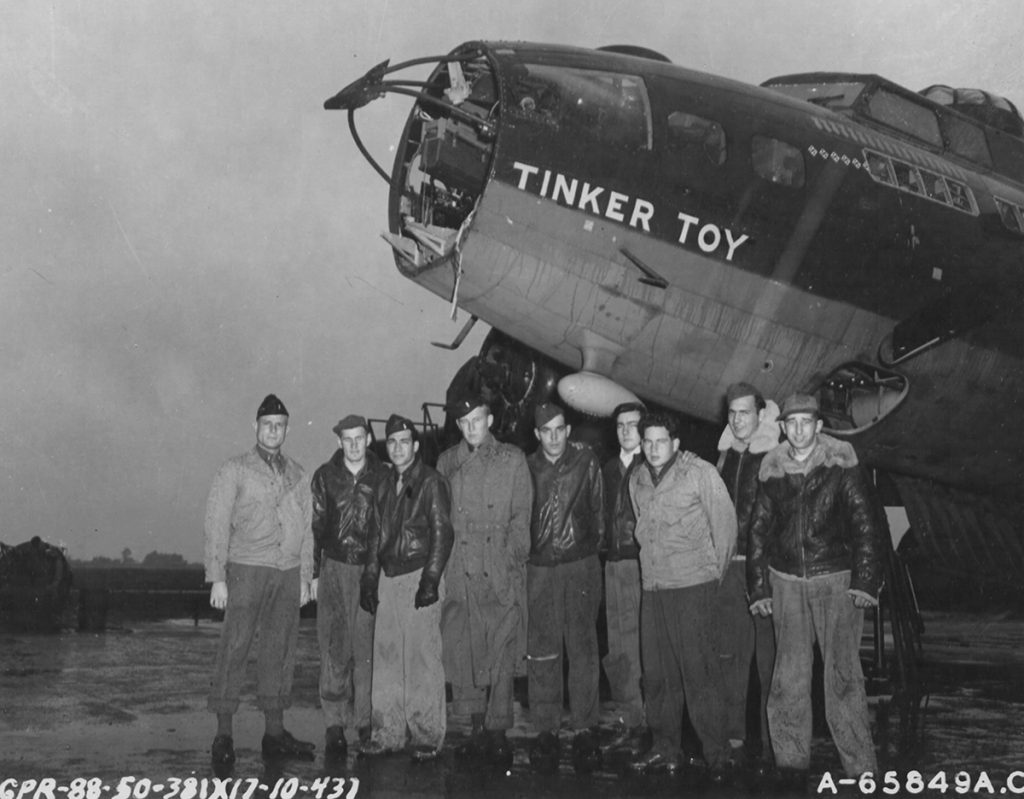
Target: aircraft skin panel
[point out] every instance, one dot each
(685, 350)
(552, 290)
(964, 534)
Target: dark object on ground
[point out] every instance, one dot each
(586, 756)
(35, 582)
(222, 753)
(335, 745)
(544, 753)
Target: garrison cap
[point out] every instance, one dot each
(396, 424)
(545, 412)
(350, 422)
(798, 403)
(466, 403)
(271, 406)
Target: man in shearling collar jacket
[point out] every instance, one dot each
(752, 430)
(814, 564)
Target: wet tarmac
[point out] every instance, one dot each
(131, 702)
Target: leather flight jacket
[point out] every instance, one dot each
(739, 473)
(567, 523)
(620, 520)
(816, 523)
(415, 526)
(345, 509)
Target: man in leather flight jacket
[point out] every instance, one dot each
(622, 572)
(344, 518)
(563, 579)
(412, 550)
(813, 565)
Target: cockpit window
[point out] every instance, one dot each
(692, 132)
(586, 103)
(903, 114)
(967, 139)
(777, 161)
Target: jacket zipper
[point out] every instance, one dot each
(803, 557)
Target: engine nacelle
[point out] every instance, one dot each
(593, 394)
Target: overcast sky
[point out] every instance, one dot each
(184, 229)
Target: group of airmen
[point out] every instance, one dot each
(460, 574)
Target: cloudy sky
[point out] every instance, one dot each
(184, 229)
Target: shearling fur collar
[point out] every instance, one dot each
(765, 437)
(829, 452)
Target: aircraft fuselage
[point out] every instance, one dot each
(677, 232)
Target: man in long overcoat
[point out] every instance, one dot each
(492, 496)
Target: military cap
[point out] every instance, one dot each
(545, 412)
(271, 406)
(798, 403)
(467, 403)
(396, 424)
(350, 422)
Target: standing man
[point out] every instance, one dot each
(412, 550)
(259, 558)
(813, 566)
(485, 586)
(686, 529)
(564, 589)
(752, 431)
(622, 572)
(344, 521)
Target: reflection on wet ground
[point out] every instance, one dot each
(131, 701)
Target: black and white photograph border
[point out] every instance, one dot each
(187, 229)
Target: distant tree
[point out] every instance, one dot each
(164, 560)
(126, 557)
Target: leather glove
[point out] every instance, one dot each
(762, 608)
(368, 597)
(426, 595)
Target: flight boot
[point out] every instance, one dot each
(335, 745)
(474, 748)
(586, 755)
(499, 750)
(222, 753)
(544, 753)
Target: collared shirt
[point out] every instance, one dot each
(275, 460)
(657, 474)
(627, 457)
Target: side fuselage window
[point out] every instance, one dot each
(587, 104)
(777, 161)
(695, 134)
